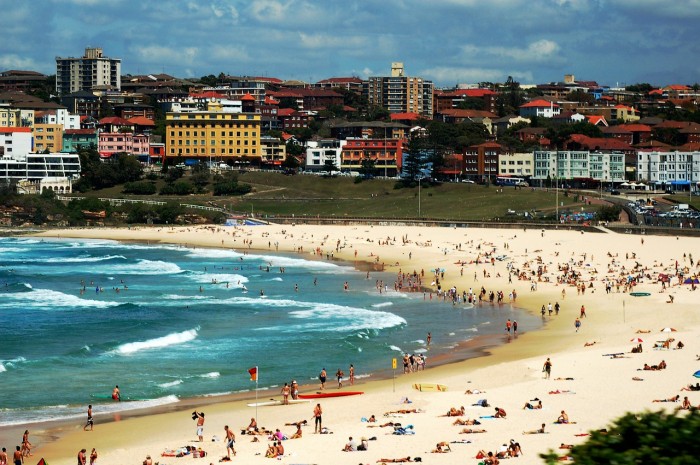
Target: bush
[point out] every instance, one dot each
(609, 213)
(139, 188)
(231, 188)
(178, 188)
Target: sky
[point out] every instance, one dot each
(614, 42)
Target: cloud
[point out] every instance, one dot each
(681, 9)
(455, 75)
(269, 10)
(332, 41)
(11, 61)
(158, 54)
(538, 51)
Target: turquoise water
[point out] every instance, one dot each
(191, 322)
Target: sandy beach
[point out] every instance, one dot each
(545, 267)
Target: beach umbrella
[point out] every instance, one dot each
(691, 281)
(668, 330)
(636, 339)
(697, 374)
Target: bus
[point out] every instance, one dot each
(511, 181)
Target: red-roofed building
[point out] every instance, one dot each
(387, 154)
(130, 110)
(444, 100)
(481, 161)
(540, 108)
(597, 120)
(405, 118)
(452, 168)
(15, 141)
(598, 144)
(691, 133)
(76, 139)
(640, 133)
(353, 84)
(624, 113)
(291, 119)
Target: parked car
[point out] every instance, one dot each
(614, 192)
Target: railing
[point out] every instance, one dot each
(147, 202)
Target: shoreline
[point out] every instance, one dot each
(508, 372)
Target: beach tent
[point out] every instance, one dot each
(691, 281)
(625, 184)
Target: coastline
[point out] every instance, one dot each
(553, 338)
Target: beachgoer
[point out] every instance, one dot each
(116, 395)
(536, 431)
(428, 339)
(285, 394)
(442, 448)
(547, 368)
(81, 457)
(350, 446)
(18, 460)
(230, 441)
(149, 460)
(351, 373)
(322, 377)
(563, 418)
(279, 449)
(200, 425)
(339, 375)
(26, 445)
(90, 422)
(252, 426)
(3, 456)
(318, 412)
(577, 324)
(500, 413)
(298, 432)
(402, 459)
(583, 312)
(93, 456)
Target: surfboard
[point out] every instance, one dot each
(430, 387)
(640, 294)
(323, 395)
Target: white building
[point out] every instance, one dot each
(540, 108)
(677, 170)
(87, 72)
(579, 166)
(519, 165)
(60, 116)
(318, 152)
(15, 141)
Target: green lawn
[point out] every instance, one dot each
(308, 195)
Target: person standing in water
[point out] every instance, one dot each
(116, 395)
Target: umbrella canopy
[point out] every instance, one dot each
(668, 330)
(691, 281)
(697, 374)
(636, 339)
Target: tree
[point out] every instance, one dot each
(368, 166)
(128, 168)
(651, 437)
(329, 165)
(289, 102)
(472, 103)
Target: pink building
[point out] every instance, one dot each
(110, 143)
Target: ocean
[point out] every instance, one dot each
(167, 323)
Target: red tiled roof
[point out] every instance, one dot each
(348, 108)
(539, 103)
(270, 101)
(475, 93)
(404, 116)
(114, 120)
(677, 87)
(80, 131)
(692, 128)
(141, 121)
(488, 145)
(637, 127)
(625, 107)
(616, 130)
(247, 98)
(286, 136)
(208, 94)
(656, 92)
(690, 147)
(600, 143)
(8, 130)
(595, 119)
(460, 113)
(670, 124)
(286, 112)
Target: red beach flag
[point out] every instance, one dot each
(253, 373)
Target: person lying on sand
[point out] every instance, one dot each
(563, 379)
(637, 378)
(566, 446)
(402, 411)
(562, 392)
(298, 423)
(391, 423)
(472, 431)
(643, 331)
(536, 431)
(530, 406)
(690, 387)
(474, 391)
(466, 422)
(441, 448)
(402, 459)
(675, 398)
(455, 412)
(588, 344)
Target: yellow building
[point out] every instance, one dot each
(274, 151)
(9, 117)
(48, 137)
(212, 134)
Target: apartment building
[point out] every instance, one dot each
(579, 167)
(9, 117)
(386, 153)
(273, 151)
(679, 170)
(481, 161)
(75, 140)
(399, 93)
(519, 165)
(540, 108)
(92, 70)
(318, 152)
(201, 135)
(48, 137)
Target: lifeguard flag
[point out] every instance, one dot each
(253, 373)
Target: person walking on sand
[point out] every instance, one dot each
(200, 425)
(90, 421)
(547, 368)
(322, 377)
(230, 441)
(583, 312)
(577, 324)
(351, 374)
(93, 456)
(3, 456)
(26, 445)
(17, 458)
(318, 412)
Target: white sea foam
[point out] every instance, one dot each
(170, 384)
(10, 249)
(79, 259)
(165, 341)
(220, 279)
(420, 351)
(47, 298)
(396, 349)
(331, 317)
(142, 267)
(213, 374)
(213, 253)
(2, 368)
(383, 304)
(277, 279)
(288, 262)
(185, 297)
